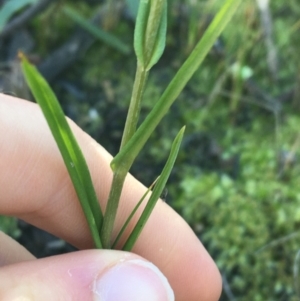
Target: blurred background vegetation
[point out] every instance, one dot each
(236, 180)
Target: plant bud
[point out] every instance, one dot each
(150, 32)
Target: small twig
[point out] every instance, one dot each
(256, 91)
(24, 17)
(227, 288)
(278, 241)
(267, 27)
(250, 100)
(296, 274)
(290, 156)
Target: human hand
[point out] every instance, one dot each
(35, 187)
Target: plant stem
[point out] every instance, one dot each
(135, 104)
(112, 206)
(120, 174)
(131, 150)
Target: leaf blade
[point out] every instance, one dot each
(102, 35)
(67, 144)
(150, 32)
(130, 151)
(132, 214)
(157, 191)
(10, 8)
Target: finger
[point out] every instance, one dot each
(86, 275)
(38, 190)
(11, 251)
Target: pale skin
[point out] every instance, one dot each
(35, 186)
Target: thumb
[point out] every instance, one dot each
(85, 275)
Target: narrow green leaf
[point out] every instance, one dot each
(127, 155)
(140, 30)
(102, 35)
(157, 191)
(68, 146)
(160, 39)
(150, 32)
(11, 7)
(137, 206)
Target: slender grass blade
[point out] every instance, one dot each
(140, 29)
(68, 146)
(11, 7)
(102, 35)
(130, 151)
(137, 206)
(157, 191)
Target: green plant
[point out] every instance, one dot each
(10, 8)
(149, 43)
(249, 221)
(104, 36)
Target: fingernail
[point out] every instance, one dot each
(132, 280)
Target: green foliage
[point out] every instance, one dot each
(10, 8)
(238, 170)
(68, 146)
(149, 44)
(150, 32)
(96, 31)
(156, 193)
(247, 222)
